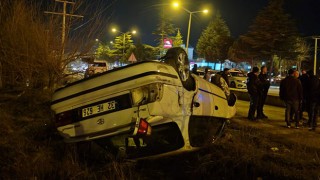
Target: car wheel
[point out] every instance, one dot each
(233, 85)
(178, 59)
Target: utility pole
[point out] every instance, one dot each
(315, 55)
(64, 14)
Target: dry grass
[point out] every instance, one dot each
(30, 148)
(250, 154)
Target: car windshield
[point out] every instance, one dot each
(238, 74)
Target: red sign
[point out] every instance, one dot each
(132, 58)
(167, 43)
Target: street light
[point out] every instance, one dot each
(124, 38)
(176, 5)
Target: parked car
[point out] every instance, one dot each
(237, 79)
(200, 72)
(144, 109)
(98, 66)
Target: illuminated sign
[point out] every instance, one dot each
(167, 43)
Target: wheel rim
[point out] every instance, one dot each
(183, 67)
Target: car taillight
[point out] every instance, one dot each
(142, 128)
(64, 118)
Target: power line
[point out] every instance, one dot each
(64, 14)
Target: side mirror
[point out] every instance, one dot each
(232, 99)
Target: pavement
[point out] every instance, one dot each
(276, 125)
(272, 99)
(273, 90)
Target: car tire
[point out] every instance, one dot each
(178, 59)
(233, 85)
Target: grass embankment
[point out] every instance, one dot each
(30, 148)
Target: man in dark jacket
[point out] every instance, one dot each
(195, 69)
(265, 84)
(312, 94)
(304, 80)
(254, 90)
(291, 93)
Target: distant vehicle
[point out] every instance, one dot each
(237, 79)
(70, 78)
(98, 66)
(200, 72)
(275, 80)
(144, 109)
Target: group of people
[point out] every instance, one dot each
(214, 79)
(299, 93)
(221, 79)
(258, 86)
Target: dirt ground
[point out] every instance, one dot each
(276, 125)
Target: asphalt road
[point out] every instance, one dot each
(273, 91)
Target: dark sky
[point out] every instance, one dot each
(238, 14)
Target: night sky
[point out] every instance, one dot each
(238, 14)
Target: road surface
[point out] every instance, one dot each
(274, 90)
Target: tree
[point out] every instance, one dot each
(24, 55)
(122, 44)
(30, 43)
(302, 49)
(105, 52)
(164, 29)
(144, 52)
(272, 34)
(215, 41)
(177, 40)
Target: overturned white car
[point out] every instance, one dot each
(144, 109)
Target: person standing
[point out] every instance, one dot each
(291, 93)
(265, 85)
(195, 69)
(296, 75)
(225, 75)
(304, 80)
(312, 99)
(254, 90)
(207, 74)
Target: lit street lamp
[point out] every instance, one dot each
(124, 38)
(190, 17)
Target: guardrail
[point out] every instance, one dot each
(272, 99)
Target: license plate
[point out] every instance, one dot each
(99, 108)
